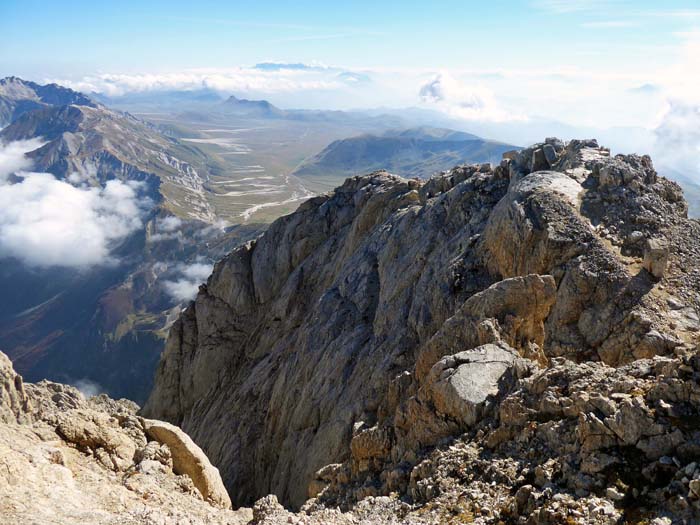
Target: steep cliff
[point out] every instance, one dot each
(394, 316)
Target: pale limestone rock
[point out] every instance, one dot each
(460, 385)
(656, 254)
(188, 458)
(99, 434)
(65, 460)
(14, 402)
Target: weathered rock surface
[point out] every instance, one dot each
(67, 459)
(488, 345)
(14, 402)
(189, 459)
(460, 385)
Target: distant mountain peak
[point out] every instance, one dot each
(251, 108)
(19, 96)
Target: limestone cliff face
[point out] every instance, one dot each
(384, 318)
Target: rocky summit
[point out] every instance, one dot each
(508, 344)
(514, 344)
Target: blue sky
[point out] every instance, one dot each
(81, 37)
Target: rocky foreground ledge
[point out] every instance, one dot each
(508, 344)
(67, 459)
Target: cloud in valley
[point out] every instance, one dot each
(89, 388)
(13, 159)
(49, 222)
(170, 223)
(678, 140)
(186, 285)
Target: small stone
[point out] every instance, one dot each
(614, 494)
(674, 304)
(635, 237)
(694, 487)
(656, 255)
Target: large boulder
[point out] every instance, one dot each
(461, 386)
(189, 459)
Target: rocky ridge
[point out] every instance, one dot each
(512, 344)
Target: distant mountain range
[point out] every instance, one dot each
(415, 152)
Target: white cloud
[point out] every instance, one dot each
(678, 140)
(185, 287)
(167, 229)
(572, 6)
(681, 79)
(49, 222)
(462, 101)
(605, 24)
(89, 388)
(169, 224)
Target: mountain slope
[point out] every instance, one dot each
(330, 356)
(415, 152)
(98, 144)
(19, 96)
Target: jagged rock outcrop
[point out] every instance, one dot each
(396, 338)
(68, 459)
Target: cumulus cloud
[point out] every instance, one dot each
(168, 229)
(49, 222)
(186, 285)
(463, 101)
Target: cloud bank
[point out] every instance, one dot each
(263, 78)
(49, 222)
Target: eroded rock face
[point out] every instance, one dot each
(393, 317)
(68, 459)
(14, 402)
